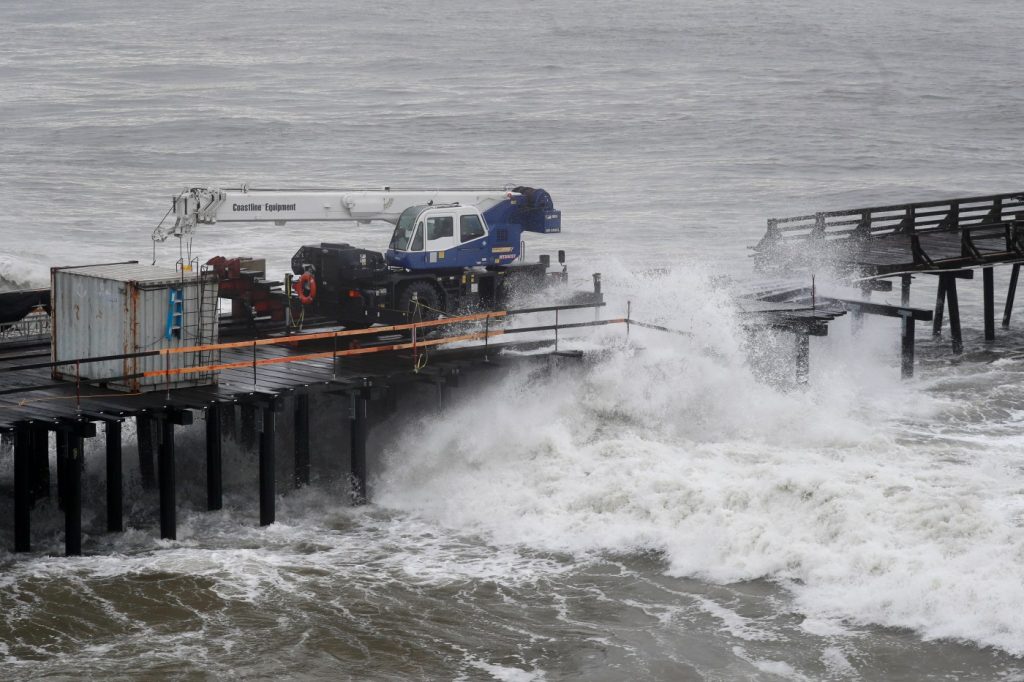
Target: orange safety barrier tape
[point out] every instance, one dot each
(330, 335)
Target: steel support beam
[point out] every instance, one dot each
(63, 443)
(168, 491)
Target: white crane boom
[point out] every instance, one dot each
(212, 205)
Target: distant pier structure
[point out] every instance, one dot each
(872, 247)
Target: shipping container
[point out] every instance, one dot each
(102, 310)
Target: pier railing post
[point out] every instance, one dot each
(115, 482)
(22, 487)
(268, 463)
(301, 440)
(905, 290)
(214, 464)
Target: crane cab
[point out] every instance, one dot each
(435, 237)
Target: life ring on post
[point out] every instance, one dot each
(305, 288)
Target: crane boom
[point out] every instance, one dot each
(212, 205)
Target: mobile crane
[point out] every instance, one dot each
(450, 250)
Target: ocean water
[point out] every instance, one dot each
(671, 509)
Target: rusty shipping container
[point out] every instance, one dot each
(101, 310)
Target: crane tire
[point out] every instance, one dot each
(429, 299)
(305, 288)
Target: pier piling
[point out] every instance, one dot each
(22, 487)
(358, 430)
(146, 440)
(115, 482)
(168, 501)
(953, 307)
(989, 304)
(803, 357)
(907, 346)
(940, 305)
(268, 435)
(301, 440)
(905, 290)
(214, 461)
(73, 495)
(1011, 292)
(40, 463)
(62, 465)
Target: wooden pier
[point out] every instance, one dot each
(265, 377)
(948, 239)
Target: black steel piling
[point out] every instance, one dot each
(268, 435)
(22, 487)
(214, 463)
(115, 482)
(302, 468)
(358, 417)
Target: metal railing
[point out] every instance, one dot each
(414, 343)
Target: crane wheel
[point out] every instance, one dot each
(429, 301)
(305, 288)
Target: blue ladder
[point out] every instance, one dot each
(175, 315)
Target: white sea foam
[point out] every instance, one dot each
(663, 445)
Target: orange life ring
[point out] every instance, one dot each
(305, 288)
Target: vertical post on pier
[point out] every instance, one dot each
(597, 294)
(146, 438)
(62, 467)
(214, 462)
(115, 479)
(905, 290)
(22, 488)
(73, 495)
(953, 304)
(1011, 291)
(358, 429)
(168, 502)
(803, 357)
(989, 304)
(907, 346)
(301, 440)
(268, 436)
(40, 463)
